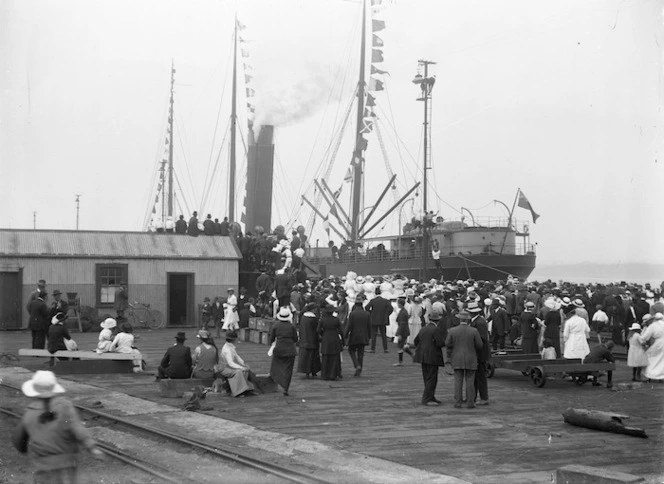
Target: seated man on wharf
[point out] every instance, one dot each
(176, 363)
(598, 354)
(240, 378)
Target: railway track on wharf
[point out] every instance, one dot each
(269, 472)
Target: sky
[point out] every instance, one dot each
(562, 99)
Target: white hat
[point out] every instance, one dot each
(578, 303)
(284, 314)
(635, 326)
(473, 307)
(42, 385)
(658, 317)
(109, 323)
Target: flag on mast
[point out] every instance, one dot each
(524, 203)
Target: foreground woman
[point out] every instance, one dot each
(309, 358)
(51, 431)
(240, 377)
(332, 342)
(653, 337)
(283, 356)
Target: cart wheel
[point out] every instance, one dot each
(580, 380)
(490, 370)
(537, 376)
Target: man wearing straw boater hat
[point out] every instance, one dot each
(51, 431)
(176, 363)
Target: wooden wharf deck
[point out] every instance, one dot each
(519, 438)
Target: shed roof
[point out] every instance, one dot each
(116, 245)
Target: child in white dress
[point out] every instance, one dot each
(637, 358)
(106, 335)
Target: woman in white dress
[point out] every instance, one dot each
(231, 316)
(653, 337)
(415, 318)
(576, 336)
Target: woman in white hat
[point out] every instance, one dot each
(106, 335)
(51, 431)
(636, 355)
(284, 353)
(653, 336)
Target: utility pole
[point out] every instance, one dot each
(34, 220)
(426, 85)
(78, 208)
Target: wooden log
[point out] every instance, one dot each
(604, 421)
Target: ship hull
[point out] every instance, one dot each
(479, 267)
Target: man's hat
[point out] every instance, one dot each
(181, 336)
(434, 316)
(206, 299)
(231, 335)
(578, 303)
(57, 292)
(463, 316)
(41, 282)
(530, 304)
(284, 314)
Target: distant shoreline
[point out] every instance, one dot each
(601, 273)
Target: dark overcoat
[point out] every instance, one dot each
(285, 334)
(177, 361)
(482, 327)
(358, 329)
(331, 338)
(308, 331)
(429, 342)
(380, 309)
(39, 315)
(57, 334)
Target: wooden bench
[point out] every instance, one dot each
(86, 362)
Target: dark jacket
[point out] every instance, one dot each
(177, 361)
(429, 342)
(403, 330)
(60, 306)
(57, 334)
(358, 329)
(208, 227)
(598, 354)
(264, 284)
(192, 226)
(121, 299)
(331, 338)
(285, 335)
(283, 285)
(379, 309)
(181, 226)
(482, 327)
(463, 343)
(308, 331)
(39, 315)
(500, 322)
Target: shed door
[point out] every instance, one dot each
(10, 300)
(180, 299)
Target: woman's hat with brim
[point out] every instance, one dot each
(42, 385)
(578, 303)
(109, 323)
(284, 314)
(646, 318)
(203, 334)
(231, 335)
(635, 326)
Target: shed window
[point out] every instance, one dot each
(109, 277)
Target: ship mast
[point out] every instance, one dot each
(231, 175)
(170, 143)
(358, 156)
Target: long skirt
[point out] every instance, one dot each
(237, 380)
(281, 370)
(308, 361)
(331, 367)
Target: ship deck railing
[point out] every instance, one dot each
(378, 254)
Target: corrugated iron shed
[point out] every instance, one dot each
(115, 245)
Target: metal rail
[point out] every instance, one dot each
(220, 451)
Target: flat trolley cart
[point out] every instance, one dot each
(538, 370)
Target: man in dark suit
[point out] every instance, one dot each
(500, 325)
(357, 333)
(208, 225)
(41, 287)
(181, 225)
(225, 227)
(192, 227)
(121, 303)
(217, 313)
(379, 310)
(59, 305)
(478, 322)
(463, 342)
(176, 363)
(40, 320)
(429, 343)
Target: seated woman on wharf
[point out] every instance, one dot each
(124, 343)
(205, 357)
(240, 378)
(106, 335)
